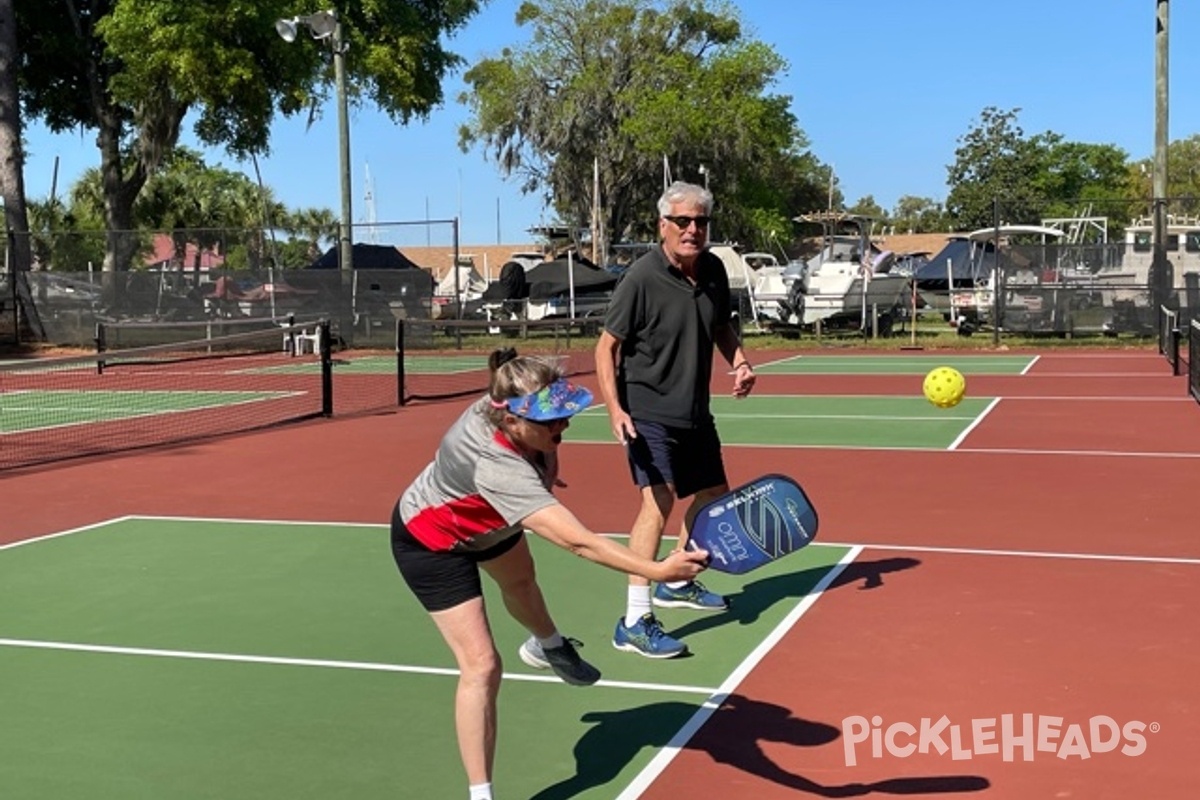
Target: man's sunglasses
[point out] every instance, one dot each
(683, 222)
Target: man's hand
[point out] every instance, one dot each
(743, 379)
(622, 426)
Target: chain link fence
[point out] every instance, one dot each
(190, 276)
(1090, 273)
(1097, 271)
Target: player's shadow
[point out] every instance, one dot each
(756, 596)
(733, 736)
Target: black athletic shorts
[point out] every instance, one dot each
(690, 458)
(441, 579)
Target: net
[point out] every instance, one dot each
(126, 334)
(60, 408)
(365, 376)
(1194, 360)
(1168, 337)
(444, 360)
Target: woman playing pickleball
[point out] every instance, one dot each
(490, 480)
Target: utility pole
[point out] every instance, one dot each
(1161, 271)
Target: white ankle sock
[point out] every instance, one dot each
(480, 791)
(637, 605)
(552, 641)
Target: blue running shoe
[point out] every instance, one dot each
(693, 595)
(646, 638)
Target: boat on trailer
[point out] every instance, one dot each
(850, 281)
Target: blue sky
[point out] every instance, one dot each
(882, 88)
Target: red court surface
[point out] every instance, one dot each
(1048, 566)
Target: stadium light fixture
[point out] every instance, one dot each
(325, 25)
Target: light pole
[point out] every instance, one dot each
(325, 25)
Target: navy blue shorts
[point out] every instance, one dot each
(689, 458)
(441, 579)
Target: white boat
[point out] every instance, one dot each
(768, 288)
(1182, 248)
(1115, 276)
(961, 280)
(850, 280)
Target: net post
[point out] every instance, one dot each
(326, 368)
(101, 346)
(290, 345)
(1193, 380)
(399, 362)
(1176, 340)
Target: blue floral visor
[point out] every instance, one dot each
(559, 400)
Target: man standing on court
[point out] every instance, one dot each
(654, 363)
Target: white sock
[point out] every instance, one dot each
(480, 791)
(552, 641)
(637, 605)
(677, 584)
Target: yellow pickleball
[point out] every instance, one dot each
(945, 387)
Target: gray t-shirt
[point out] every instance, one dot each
(476, 490)
(667, 327)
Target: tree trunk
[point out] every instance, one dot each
(12, 158)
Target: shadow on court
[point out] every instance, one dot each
(732, 737)
(746, 606)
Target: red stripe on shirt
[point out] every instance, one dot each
(440, 527)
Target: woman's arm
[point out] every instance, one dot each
(557, 524)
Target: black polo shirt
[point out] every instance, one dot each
(667, 327)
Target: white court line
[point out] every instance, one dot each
(615, 535)
(984, 357)
(954, 445)
(618, 535)
(667, 754)
(248, 521)
(367, 666)
(146, 413)
(1100, 397)
(1017, 451)
(164, 518)
(1029, 366)
(980, 551)
(973, 450)
(48, 536)
(871, 417)
(1155, 374)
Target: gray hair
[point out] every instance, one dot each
(681, 192)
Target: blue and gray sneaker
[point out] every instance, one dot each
(564, 660)
(692, 595)
(646, 638)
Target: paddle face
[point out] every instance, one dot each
(754, 524)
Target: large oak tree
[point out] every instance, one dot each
(132, 72)
(998, 168)
(587, 112)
